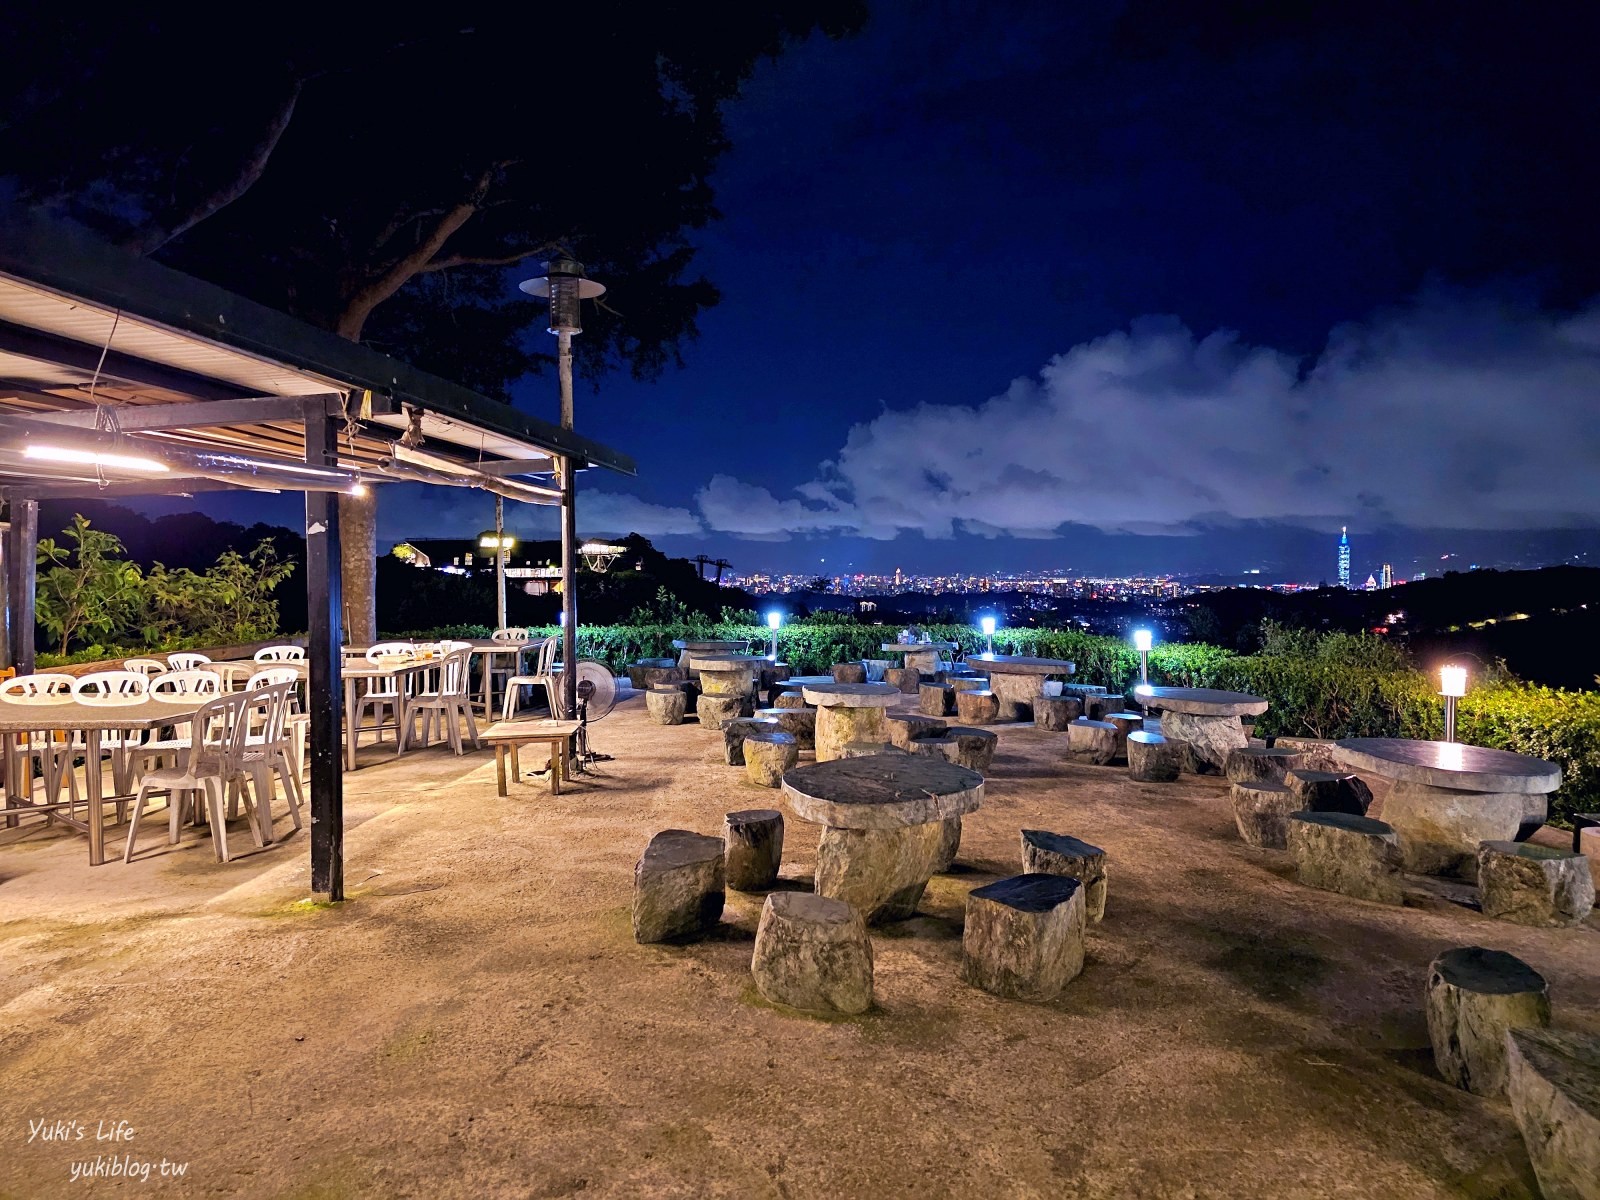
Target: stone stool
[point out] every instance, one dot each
(1260, 764)
(716, 711)
(868, 749)
(647, 672)
(848, 672)
(1354, 856)
(769, 756)
(667, 704)
(1552, 1080)
(1533, 884)
(1101, 705)
(812, 954)
(936, 699)
(1046, 853)
(1055, 713)
(970, 748)
(677, 886)
(752, 843)
(1328, 791)
(1124, 723)
(903, 727)
(1024, 936)
(1153, 758)
(907, 679)
(977, 706)
(1474, 995)
(735, 731)
(1261, 813)
(789, 698)
(801, 722)
(1092, 741)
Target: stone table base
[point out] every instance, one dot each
(879, 872)
(838, 725)
(1016, 694)
(1209, 738)
(1440, 828)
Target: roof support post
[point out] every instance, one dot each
(324, 687)
(22, 540)
(569, 589)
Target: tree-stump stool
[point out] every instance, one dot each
(752, 843)
(812, 954)
(667, 704)
(1153, 758)
(768, 757)
(936, 699)
(1092, 741)
(735, 731)
(978, 706)
(1354, 856)
(648, 672)
(907, 679)
(789, 698)
(1124, 723)
(1024, 936)
(1553, 1081)
(677, 886)
(801, 722)
(868, 749)
(1533, 884)
(966, 747)
(904, 727)
(1474, 996)
(716, 711)
(1261, 813)
(1045, 853)
(1260, 764)
(1055, 713)
(848, 672)
(1328, 791)
(1100, 706)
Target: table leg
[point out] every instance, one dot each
(558, 765)
(500, 768)
(91, 778)
(14, 753)
(350, 725)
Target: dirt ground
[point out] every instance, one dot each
(477, 1021)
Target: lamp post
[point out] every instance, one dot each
(774, 619)
(1142, 641)
(987, 625)
(1452, 686)
(564, 286)
(498, 542)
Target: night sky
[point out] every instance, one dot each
(1120, 288)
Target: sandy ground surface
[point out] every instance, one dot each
(477, 1020)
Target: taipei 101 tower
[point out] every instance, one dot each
(1344, 556)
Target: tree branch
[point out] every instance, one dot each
(511, 257)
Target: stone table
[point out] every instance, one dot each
(1448, 797)
(920, 656)
(848, 712)
(883, 821)
(1206, 718)
(686, 648)
(727, 674)
(1016, 680)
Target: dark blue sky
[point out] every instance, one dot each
(1388, 215)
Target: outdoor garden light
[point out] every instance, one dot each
(774, 620)
(1142, 640)
(93, 458)
(987, 625)
(1452, 686)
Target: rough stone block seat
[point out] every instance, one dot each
(1023, 938)
(960, 744)
(905, 727)
(1045, 853)
(677, 886)
(716, 711)
(812, 954)
(1260, 764)
(1055, 713)
(1153, 758)
(1553, 1083)
(1100, 705)
(1124, 723)
(1261, 813)
(649, 671)
(1092, 741)
(1533, 884)
(849, 672)
(1355, 856)
(801, 722)
(667, 704)
(752, 843)
(734, 733)
(1474, 996)
(768, 757)
(789, 698)
(977, 706)
(936, 699)
(907, 679)
(1328, 791)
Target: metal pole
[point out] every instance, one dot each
(564, 371)
(500, 561)
(1449, 718)
(325, 684)
(1144, 668)
(22, 548)
(569, 538)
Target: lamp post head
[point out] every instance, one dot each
(565, 287)
(1452, 681)
(774, 619)
(1143, 639)
(987, 625)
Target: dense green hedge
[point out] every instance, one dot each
(1330, 687)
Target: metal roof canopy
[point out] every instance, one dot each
(91, 337)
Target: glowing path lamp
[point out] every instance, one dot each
(987, 625)
(1143, 639)
(1452, 686)
(774, 619)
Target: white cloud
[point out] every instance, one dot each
(1454, 411)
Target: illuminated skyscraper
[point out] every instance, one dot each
(1387, 576)
(1344, 556)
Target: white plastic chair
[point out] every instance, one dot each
(177, 683)
(118, 744)
(145, 666)
(544, 675)
(448, 697)
(40, 745)
(186, 660)
(269, 749)
(509, 634)
(280, 654)
(296, 720)
(382, 694)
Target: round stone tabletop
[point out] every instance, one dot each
(1019, 664)
(850, 695)
(1202, 702)
(884, 791)
(724, 662)
(1448, 765)
(800, 681)
(911, 647)
(711, 646)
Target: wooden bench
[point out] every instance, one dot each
(508, 737)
